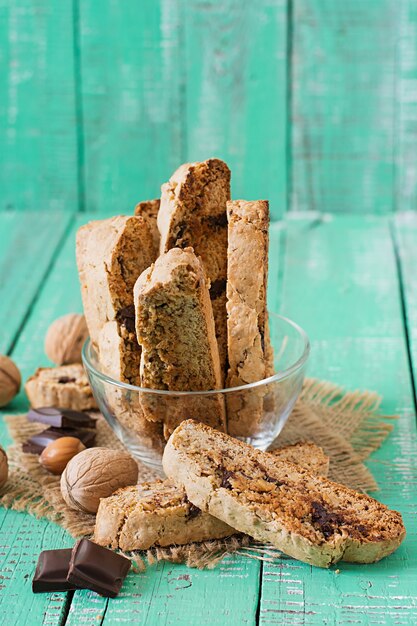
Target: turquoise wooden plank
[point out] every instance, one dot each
(405, 233)
(344, 105)
(23, 537)
(340, 283)
(28, 244)
(131, 89)
(406, 118)
(174, 594)
(38, 156)
(236, 92)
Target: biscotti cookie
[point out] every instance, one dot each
(111, 254)
(160, 514)
(249, 351)
(153, 514)
(193, 213)
(65, 386)
(307, 454)
(175, 329)
(148, 209)
(309, 518)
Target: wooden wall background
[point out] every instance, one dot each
(313, 103)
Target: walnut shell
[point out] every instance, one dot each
(65, 338)
(10, 380)
(4, 468)
(96, 473)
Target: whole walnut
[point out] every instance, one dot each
(10, 380)
(65, 338)
(4, 468)
(96, 473)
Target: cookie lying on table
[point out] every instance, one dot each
(308, 517)
(65, 386)
(160, 514)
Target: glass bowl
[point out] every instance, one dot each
(256, 412)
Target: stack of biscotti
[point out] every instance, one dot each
(111, 254)
(197, 319)
(306, 516)
(160, 514)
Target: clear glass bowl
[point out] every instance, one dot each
(256, 412)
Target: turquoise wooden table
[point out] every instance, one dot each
(313, 104)
(350, 282)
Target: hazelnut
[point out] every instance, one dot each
(10, 380)
(96, 473)
(65, 338)
(56, 455)
(4, 468)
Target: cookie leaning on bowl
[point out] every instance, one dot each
(193, 213)
(175, 329)
(160, 514)
(250, 354)
(309, 518)
(111, 254)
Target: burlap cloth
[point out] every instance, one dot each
(347, 426)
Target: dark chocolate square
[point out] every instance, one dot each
(96, 568)
(61, 417)
(51, 572)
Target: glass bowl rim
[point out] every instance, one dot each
(278, 377)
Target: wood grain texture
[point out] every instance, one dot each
(344, 105)
(174, 594)
(405, 235)
(340, 284)
(131, 93)
(28, 244)
(236, 93)
(22, 537)
(406, 117)
(38, 136)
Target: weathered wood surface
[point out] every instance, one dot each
(405, 234)
(132, 100)
(38, 113)
(312, 102)
(236, 89)
(338, 278)
(340, 284)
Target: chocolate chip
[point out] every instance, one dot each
(225, 475)
(275, 481)
(325, 521)
(218, 287)
(362, 529)
(193, 511)
(126, 317)
(216, 221)
(262, 336)
(65, 379)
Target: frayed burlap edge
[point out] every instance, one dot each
(346, 425)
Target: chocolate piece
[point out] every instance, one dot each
(61, 418)
(51, 572)
(96, 568)
(218, 287)
(126, 317)
(66, 379)
(37, 443)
